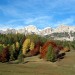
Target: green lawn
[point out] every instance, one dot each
(65, 66)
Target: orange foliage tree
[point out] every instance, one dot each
(56, 49)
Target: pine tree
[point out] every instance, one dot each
(12, 51)
(50, 56)
(20, 57)
(17, 45)
(1, 48)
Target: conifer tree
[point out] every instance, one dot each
(1, 48)
(25, 46)
(50, 56)
(12, 51)
(20, 57)
(32, 46)
(17, 45)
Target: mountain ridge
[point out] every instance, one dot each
(45, 31)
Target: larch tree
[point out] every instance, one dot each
(25, 46)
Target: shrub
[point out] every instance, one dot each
(45, 48)
(5, 56)
(36, 49)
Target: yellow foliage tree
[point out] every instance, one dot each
(25, 46)
(4, 46)
(32, 46)
(17, 45)
(13, 47)
(1, 45)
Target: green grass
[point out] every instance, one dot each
(65, 66)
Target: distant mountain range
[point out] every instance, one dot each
(45, 31)
(62, 32)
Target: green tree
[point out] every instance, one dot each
(1, 48)
(20, 57)
(17, 45)
(50, 56)
(12, 51)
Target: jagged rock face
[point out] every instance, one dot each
(64, 28)
(45, 31)
(31, 29)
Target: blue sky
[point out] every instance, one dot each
(41, 13)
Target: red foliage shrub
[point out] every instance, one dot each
(45, 48)
(36, 49)
(5, 56)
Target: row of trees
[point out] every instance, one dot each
(13, 46)
(17, 44)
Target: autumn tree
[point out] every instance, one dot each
(32, 45)
(25, 46)
(5, 55)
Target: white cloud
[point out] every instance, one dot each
(42, 24)
(15, 20)
(38, 19)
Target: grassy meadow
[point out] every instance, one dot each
(65, 66)
(11, 45)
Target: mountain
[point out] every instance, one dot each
(62, 32)
(31, 29)
(1, 31)
(64, 28)
(46, 31)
